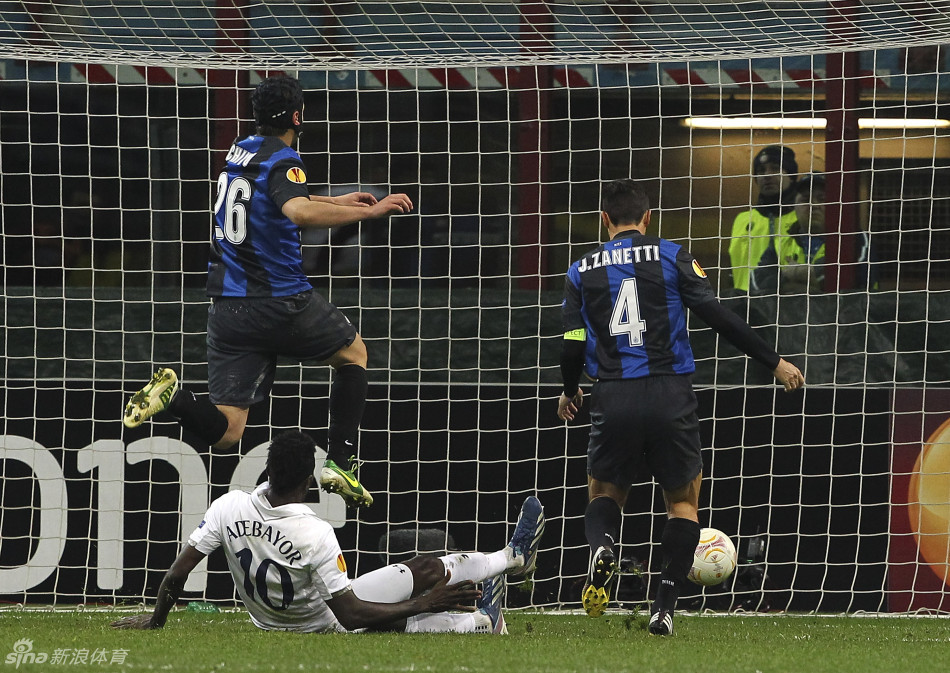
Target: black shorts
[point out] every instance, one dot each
(247, 335)
(647, 423)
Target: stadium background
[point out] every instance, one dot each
(458, 304)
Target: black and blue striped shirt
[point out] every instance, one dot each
(630, 295)
(255, 251)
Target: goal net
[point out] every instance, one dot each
(501, 120)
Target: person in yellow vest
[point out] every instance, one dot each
(760, 229)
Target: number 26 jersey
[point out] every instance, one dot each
(630, 296)
(255, 251)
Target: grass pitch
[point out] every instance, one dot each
(195, 643)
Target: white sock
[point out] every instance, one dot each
(475, 566)
(391, 584)
(444, 622)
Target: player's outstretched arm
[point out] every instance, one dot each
(358, 199)
(739, 334)
(354, 613)
(306, 212)
(172, 585)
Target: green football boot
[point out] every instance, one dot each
(334, 479)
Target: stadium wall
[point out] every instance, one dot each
(790, 464)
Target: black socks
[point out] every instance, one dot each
(602, 523)
(680, 537)
(347, 401)
(199, 416)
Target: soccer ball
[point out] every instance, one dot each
(715, 558)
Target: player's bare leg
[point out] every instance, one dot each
(237, 421)
(347, 400)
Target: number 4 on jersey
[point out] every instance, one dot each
(625, 318)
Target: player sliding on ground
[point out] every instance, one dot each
(624, 316)
(289, 571)
(263, 305)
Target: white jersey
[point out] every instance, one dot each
(285, 561)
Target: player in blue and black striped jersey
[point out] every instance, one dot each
(263, 305)
(624, 319)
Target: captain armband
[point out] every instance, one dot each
(576, 335)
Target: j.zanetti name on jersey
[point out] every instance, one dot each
(635, 254)
(243, 527)
(239, 156)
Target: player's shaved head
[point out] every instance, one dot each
(624, 201)
(290, 461)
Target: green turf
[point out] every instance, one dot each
(195, 642)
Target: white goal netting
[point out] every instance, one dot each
(500, 120)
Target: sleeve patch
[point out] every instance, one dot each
(297, 175)
(698, 270)
(576, 335)
(340, 563)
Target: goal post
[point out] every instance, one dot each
(501, 120)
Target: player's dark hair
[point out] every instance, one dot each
(290, 460)
(624, 201)
(274, 102)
